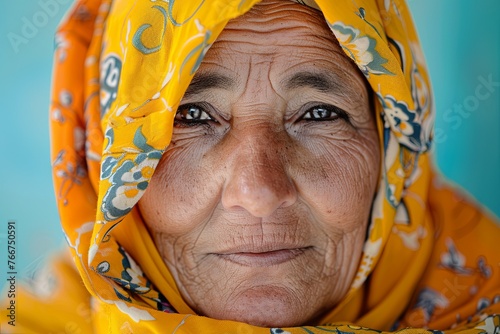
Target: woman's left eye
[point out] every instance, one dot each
(323, 113)
(192, 114)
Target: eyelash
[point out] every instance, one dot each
(181, 115)
(185, 116)
(330, 111)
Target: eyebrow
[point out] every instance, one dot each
(325, 83)
(209, 80)
(318, 81)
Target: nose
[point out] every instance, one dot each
(257, 180)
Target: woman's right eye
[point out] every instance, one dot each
(192, 114)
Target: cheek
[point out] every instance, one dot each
(182, 192)
(339, 177)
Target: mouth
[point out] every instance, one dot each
(264, 259)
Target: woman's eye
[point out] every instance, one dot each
(192, 114)
(323, 113)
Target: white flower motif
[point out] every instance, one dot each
(65, 98)
(133, 312)
(489, 326)
(57, 115)
(134, 182)
(135, 273)
(453, 257)
(411, 239)
(454, 260)
(404, 122)
(126, 197)
(398, 118)
(358, 47)
(370, 251)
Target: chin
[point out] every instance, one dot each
(266, 306)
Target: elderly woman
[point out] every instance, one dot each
(241, 167)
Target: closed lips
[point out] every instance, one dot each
(264, 258)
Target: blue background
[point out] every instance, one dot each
(461, 42)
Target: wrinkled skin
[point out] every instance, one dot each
(260, 204)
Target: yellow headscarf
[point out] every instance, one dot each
(121, 69)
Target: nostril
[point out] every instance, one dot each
(259, 196)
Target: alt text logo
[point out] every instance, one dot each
(30, 26)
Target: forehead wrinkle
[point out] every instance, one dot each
(265, 20)
(292, 33)
(264, 14)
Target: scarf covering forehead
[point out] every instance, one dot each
(121, 69)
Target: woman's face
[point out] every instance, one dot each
(260, 204)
